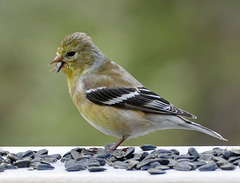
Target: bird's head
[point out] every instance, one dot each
(76, 53)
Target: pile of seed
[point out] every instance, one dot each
(39, 160)
(155, 161)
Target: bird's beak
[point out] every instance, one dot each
(58, 59)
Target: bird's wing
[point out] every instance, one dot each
(139, 98)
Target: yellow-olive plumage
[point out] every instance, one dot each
(110, 98)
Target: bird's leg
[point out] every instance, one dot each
(118, 143)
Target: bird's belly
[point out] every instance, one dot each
(116, 121)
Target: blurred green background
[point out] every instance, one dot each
(186, 51)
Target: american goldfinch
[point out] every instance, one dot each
(111, 99)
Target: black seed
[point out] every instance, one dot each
(120, 165)
(137, 157)
(150, 156)
(59, 65)
(119, 154)
(44, 167)
(235, 152)
(154, 171)
(171, 163)
(82, 161)
(33, 165)
(110, 160)
(3, 153)
(147, 147)
(162, 167)
(172, 156)
(88, 151)
(102, 162)
(41, 152)
(10, 167)
(96, 169)
(75, 168)
(2, 168)
(228, 166)
(27, 154)
(212, 152)
(13, 157)
(49, 160)
(93, 158)
(226, 154)
(236, 162)
(66, 158)
(163, 161)
(70, 163)
(215, 158)
(73, 165)
(193, 152)
(200, 163)
(85, 156)
(143, 155)
(163, 151)
(153, 152)
(208, 167)
(6, 160)
(175, 151)
(217, 151)
(143, 163)
(154, 164)
(196, 164)
(232, 159)
(79, 149)
(22, 163)
(182, 166)
(220, 161)
(56, 156)
(185, 157)
(132, 164)
(76, 155)
(102, 155)
(67, 154)
(92, 162)
(206, 157)
(129, 152)
(146, 167)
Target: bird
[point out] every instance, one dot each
(111, 99)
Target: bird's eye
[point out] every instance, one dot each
(71, 53)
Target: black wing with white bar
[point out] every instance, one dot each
(139, 98)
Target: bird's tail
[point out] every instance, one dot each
(194, 126)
